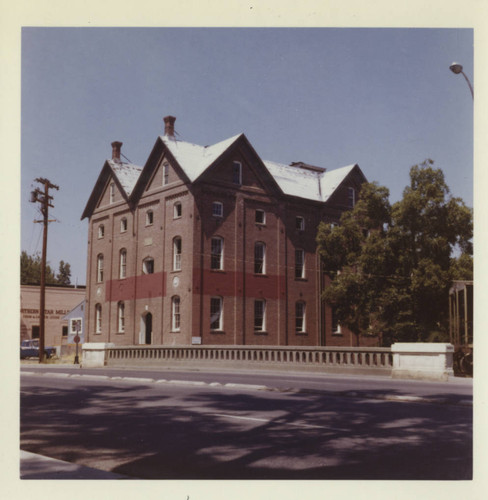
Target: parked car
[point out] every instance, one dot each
(30, 349)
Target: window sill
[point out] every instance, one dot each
(260, 275)
(221, 271)
(218, 332)
(301, 279)
(301, 333)
(337, 334)
(260, 332)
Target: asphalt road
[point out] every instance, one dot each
(179, 428)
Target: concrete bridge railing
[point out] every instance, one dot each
(421, 361)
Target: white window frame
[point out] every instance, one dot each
(100, 268)
(98, 318)
(177, 210)
(122, 263)
(149, 218)
(101, 231)
(300, 223)
(177, 251)
(217, 253)
(217, 209)
(112, 192)
(121, 317)
(338, 329)
(262, 216)
(260, 258)
(72, 325)
(237, 173)
(216, 313)
(175, 313)
(123, 225)
(259, 315)
(299, 263)
(300, 316)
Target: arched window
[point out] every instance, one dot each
(175, 314)
(217, 253)
(259, 258)
(123, 263)
(259, 315)
(300, 317)
(101, 231)
(98, 318)
(121, 316)
(299, 263)
(123, 225)
(148, 265)
(100, 268)
(177, 210)
(149, 218)
(177, 254)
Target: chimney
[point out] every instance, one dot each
(116, 151)
(169, 126)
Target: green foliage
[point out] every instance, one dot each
(390, 267)
(30, 271)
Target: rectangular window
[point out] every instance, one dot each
(75, 325)
(351, 197)
(217, 253)
(300, 223)
(123, 264)
(175, 322)
(259, 315)
(216, 313)
(165, 174)
(121, 311)
(217, 209)
(65, 331)
(177, 210)
(299, 263)
(98, 318)
(300, 317)
(336, 327)
(259, 257)
(177, 254)
(35, 332)
(112, 192)
(123, 225)
(237, 173)
(149, 218)
(100, 268)
(260, 217)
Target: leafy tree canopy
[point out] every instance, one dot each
(391, 267)
(30, 271)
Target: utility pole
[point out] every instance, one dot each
(44, 199)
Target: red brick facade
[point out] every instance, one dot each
(211, 255)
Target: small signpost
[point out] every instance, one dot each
(77, 341)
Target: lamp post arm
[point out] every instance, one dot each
(469, 84)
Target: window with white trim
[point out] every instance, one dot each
(237, 172)
(75, 325)
(217, 209)
(217, 253)
(259, 315)
(260, 217)
(336, 326)
(259, 257)
(300, 316)
(148, 265)
(216, 315)
(175, 314)
(121, 317)
(112, 192)
(177, 210)
(101, 231)
(100, 268)
(149, 218)
(123, 225)
(177, 254)
(299, 263)
(98, 318)
(300, 223)
(123, 263)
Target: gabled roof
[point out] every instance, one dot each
(308, 184)
(195, 159)
(126, 173)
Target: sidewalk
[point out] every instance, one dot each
(34, 466)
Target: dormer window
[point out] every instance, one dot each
(300, 223)
(237, 173)
(217, 209)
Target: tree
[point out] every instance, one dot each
(391, 267)
(64, 273)
(30, 271)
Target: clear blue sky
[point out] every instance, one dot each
(382, 98)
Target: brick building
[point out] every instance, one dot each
(211, 245)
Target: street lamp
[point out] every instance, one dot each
(457, 68)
